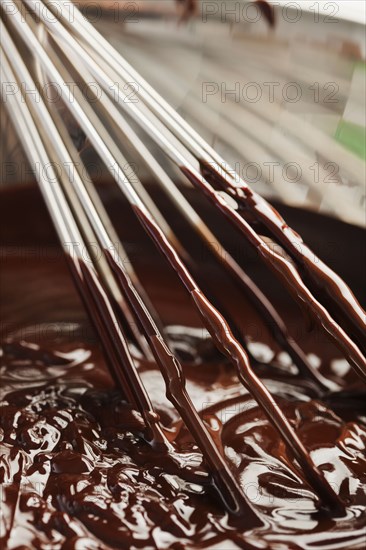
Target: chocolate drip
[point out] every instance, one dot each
(224, 338)
(267, 11)
(272, 319)
(287, 273)
(123, 368)
(176, 393)
(220, 331)
(76, 471)
(338, 292)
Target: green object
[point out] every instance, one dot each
(353, 137)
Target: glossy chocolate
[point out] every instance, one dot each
(78, 469)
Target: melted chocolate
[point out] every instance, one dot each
(282, 266)
(78, 469)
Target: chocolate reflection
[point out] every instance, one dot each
(76, 470)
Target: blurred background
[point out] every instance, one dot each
(279, 92)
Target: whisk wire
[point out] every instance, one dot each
(172, 371)
(278, 264)
(204, 168)
(337, 290)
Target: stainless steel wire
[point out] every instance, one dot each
(63, 48)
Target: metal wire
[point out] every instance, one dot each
(77, 48)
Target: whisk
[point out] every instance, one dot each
(67, 50)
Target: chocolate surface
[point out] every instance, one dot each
(77, 471)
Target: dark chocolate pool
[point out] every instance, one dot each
(76, 471)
